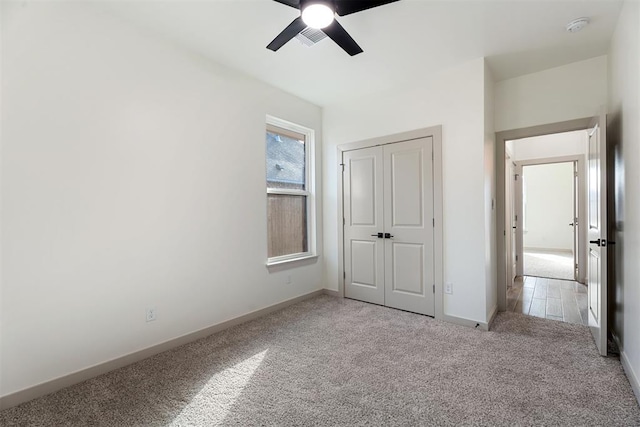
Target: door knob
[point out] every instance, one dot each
(571, 224)
(387, 235)
(379, 235)
(595, 242)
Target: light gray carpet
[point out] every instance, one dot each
(550, 264)
(328, 361)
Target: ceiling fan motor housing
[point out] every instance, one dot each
(329, 3)
(317, 14)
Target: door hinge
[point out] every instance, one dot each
(433, 220)
(516, 257)
(344, 275)
(515, 176)
(344, 221)
(434, 289)
(342, 165)
(516, 217)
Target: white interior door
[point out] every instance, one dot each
(508, 212)
(509, 219)
(408, 226)
(388, 225)
(597, 233)
(518, 219)
(363, 217)
(513, 223)
(574, 223)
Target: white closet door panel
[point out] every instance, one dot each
(363, 220)
(406, 196)
(408, 268)
(363, 263)
(363, 191)
(408, 218)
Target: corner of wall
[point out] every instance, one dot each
(490, 195)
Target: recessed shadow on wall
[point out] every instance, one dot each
(615, 226)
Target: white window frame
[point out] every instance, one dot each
(309, 191)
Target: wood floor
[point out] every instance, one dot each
(562, 300)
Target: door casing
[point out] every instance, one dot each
(581, 214)
(436, 133)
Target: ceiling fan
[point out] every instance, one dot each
(320, 14)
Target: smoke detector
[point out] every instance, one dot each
(577, 24)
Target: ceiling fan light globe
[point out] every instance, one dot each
(317, 15)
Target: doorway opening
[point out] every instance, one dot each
(545, 203)
(549, 219)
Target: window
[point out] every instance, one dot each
(290, 191)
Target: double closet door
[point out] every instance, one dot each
(388, 225)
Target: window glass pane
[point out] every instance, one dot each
(285, 161)
(287, 223)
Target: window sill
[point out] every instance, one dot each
(291, 260)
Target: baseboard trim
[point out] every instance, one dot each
(492, 316)
(631, 375)
(564, 251)
(331, 292)
(59, 383)
(633, 378)
(483, 326)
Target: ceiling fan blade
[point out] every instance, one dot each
(287, 34)
(346, 7)
(338, 34)
(292, 3)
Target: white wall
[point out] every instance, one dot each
(624, 132)
(490, 194)
(549, 146)
(548, 206)
(133, 175)
(455, 100)
(1, 210)
(564, 93)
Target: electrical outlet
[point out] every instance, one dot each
(288, 280)
(448, 288)
(151, 314)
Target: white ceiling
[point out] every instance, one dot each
(402, 41)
